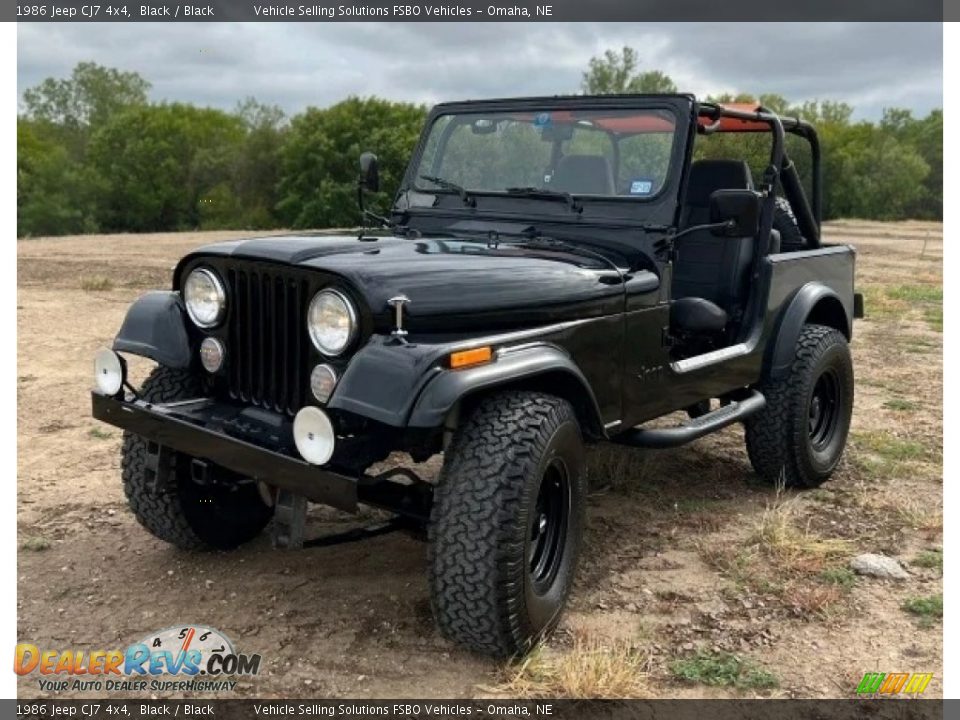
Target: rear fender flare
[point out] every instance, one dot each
(814, 302)
(156, 327)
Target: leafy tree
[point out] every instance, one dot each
(868, 173)
(258, 165)
(93, 154)
(320, 152)
(926, 137)
(88, 97)
(619, 72)
(57, 190)
(54, 194)
(160, 161)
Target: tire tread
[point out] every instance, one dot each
(476, 583)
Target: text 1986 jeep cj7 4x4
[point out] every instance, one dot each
(559, 271)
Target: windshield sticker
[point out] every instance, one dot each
(641, 187)
(542, 120)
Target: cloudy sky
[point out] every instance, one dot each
(295, 65)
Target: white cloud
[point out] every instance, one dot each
(871, 65)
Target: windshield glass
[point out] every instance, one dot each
(613, 153)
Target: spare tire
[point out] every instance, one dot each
(785, 222)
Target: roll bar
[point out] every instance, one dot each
(743, 118)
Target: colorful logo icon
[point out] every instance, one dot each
(894, 683)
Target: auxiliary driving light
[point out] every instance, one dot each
(313, 435)
(322, 381)
(108, 371)
(212, 353)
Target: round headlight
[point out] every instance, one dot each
(204, 297)
(331, 322)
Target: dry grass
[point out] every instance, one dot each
(781, 557)
(812, 599)
(617, 467)
(784, 536)
(35, 543)
(96, 284)
(589, 669)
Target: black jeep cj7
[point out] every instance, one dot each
(558, 271)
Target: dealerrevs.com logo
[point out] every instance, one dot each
(182, 658)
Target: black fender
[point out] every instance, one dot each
(409, 385)
(156, 327)
(385, 377)
(543, 367)
(812, 303)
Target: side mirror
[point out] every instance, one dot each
(735, 213)
(369, 172)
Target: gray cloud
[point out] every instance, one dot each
(870, 65)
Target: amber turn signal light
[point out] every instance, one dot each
(466, 358)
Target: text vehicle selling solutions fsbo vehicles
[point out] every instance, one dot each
(553, 272)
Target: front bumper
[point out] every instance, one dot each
(196, 428)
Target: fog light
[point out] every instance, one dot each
(108, 371)
(212, 353)
(313, 435)
(322, 381)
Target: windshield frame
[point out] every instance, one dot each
(679, 106)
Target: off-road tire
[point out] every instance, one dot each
(483, 593)
(781, 441)
(785, 222)
(181, 512)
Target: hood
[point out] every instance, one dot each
(453, 284)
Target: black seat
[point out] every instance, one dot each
(584, 175)
(710, 273)
(697, 314)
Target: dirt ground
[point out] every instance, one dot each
(687, 558)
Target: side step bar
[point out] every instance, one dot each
(659, 438)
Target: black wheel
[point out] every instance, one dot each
(218, 514)
(785, 222)
(506, 523)
(799, 437)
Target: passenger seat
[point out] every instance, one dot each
(710, 272)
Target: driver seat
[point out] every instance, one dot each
(583, 175)
(709, 273)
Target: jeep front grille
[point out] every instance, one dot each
(267, 350)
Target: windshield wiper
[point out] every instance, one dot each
(448, 185)
(544, 194)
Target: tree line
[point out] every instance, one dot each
(95, 155)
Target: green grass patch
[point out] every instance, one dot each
(900, 405)
(35, 544)
(99, 434)
(890, 447)
(886, 302)
(841, 576)
(916, 293)
(927, 609)
(722, 669)
(932, 559)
